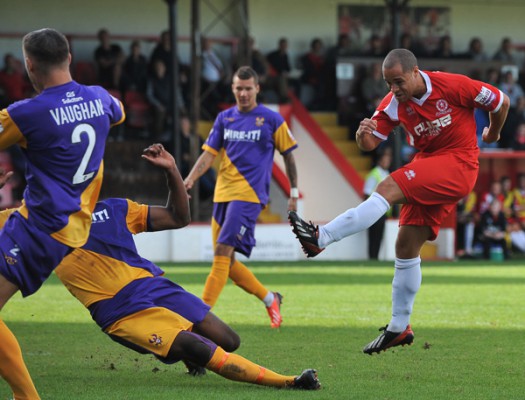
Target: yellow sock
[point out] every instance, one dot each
(216, 279)
(13, 368)
(237, 368)
(241, 275)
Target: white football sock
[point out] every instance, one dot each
(405, 285)
(518, 239)
(353, 220)
(469, 237)
(268, 299)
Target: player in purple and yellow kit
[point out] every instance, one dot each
(137, 307)
(62, 132)
(247, 136)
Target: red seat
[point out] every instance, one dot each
(85, 72)
(115, 93)
(137, 109)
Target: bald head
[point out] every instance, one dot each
(402, 57)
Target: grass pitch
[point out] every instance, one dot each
(469, 325)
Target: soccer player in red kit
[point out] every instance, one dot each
(436, 110)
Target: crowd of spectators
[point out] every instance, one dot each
(491, 225)
(143, 80)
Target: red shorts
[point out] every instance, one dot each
(432, 185)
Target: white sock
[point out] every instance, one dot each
(268, 299)
(405, 285)
(518, 239)
(469, 237)
(353, 220)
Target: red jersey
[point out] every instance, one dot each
(443, 119)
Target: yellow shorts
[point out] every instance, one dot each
(152, 330)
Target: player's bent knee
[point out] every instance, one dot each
(231, 342)
(192, 347)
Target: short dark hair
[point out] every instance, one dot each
(245, 72)
(46, 47)
(405, 57)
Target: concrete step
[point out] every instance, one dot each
(348, 147)
(267, 216)
(360, 163)
(336, 132)
(204, 128)
(325, 118)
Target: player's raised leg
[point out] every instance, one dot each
(314, 239)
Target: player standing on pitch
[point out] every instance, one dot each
(436, 111)
(62, 132)
(248, 135)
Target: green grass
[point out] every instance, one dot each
(469, 322)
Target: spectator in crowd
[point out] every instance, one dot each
(467, 218)
(13, 83)
(135, 70)
(109, 58)
(520, 108)
(162, 51)
(444, 49)
(258, 61)
(508, 196)
(514, 91)
(374, 177)
(158, 93)
(475, 50)
(519, 137)
(511, 88)
(495, 192)
(505, 52)
(373, 87)
(375, 47)
(312, 64)
(343, 48)
(493, 228)
(519, 199)
(411, 43)
(492, 76)
(512, 208)
(280, 69)
(215, 75)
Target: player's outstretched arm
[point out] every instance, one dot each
(176, 213)
(497, 120)
(203, 164)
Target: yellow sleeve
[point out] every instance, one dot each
(284, 139)
(4, 215)
(121, 120)
(137, 217)
(9, 132)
